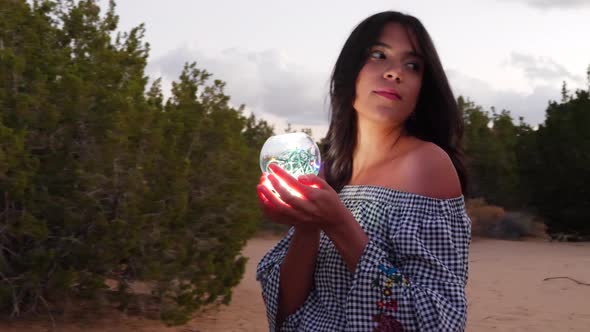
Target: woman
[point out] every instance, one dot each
(379, 241)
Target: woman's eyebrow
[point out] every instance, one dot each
(405, 54)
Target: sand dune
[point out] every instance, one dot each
(506, 289)
(506, 292)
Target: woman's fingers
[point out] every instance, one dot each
(279, 211)
(289, 198)
(289, 180)
(267, 206)
(314, 181)
(272, 197)
(261, 197)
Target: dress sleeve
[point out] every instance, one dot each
(268, 274)
(414, 280)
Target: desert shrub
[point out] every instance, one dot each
(495, 222)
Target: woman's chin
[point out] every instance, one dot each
(384, 117)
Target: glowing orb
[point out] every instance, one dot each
(296, 153)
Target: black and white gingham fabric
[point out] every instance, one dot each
(411, 275)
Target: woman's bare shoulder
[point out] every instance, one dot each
(429, 171)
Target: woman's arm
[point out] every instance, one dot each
(297, 271)
(294, 275)
(350, 240)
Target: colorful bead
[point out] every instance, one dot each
(388, 283)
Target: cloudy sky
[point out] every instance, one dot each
(276, 56)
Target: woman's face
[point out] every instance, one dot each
(388, 85)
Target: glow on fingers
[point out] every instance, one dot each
(290, 189)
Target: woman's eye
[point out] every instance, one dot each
(377, 55)
(414, 66)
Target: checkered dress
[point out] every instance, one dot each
(411, 275)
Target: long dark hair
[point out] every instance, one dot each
(436, 119)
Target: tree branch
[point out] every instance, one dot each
(574, 280)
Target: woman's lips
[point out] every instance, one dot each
(389, 95)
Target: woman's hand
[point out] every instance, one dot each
(314, 203)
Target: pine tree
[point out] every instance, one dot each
(564, 92)
(104, 179)
(560, 174)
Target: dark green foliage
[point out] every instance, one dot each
(490, 145)
(100, 179)
(561, 177)
(543, 171)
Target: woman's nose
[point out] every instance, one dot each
(392, 74)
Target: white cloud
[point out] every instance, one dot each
(264, 81)
(281, 92)
(542, 69)
(531, 106)
(550, 4)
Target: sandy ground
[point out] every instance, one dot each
(506, 292)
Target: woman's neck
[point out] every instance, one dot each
(375, 144)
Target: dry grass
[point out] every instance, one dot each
(495, 222)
